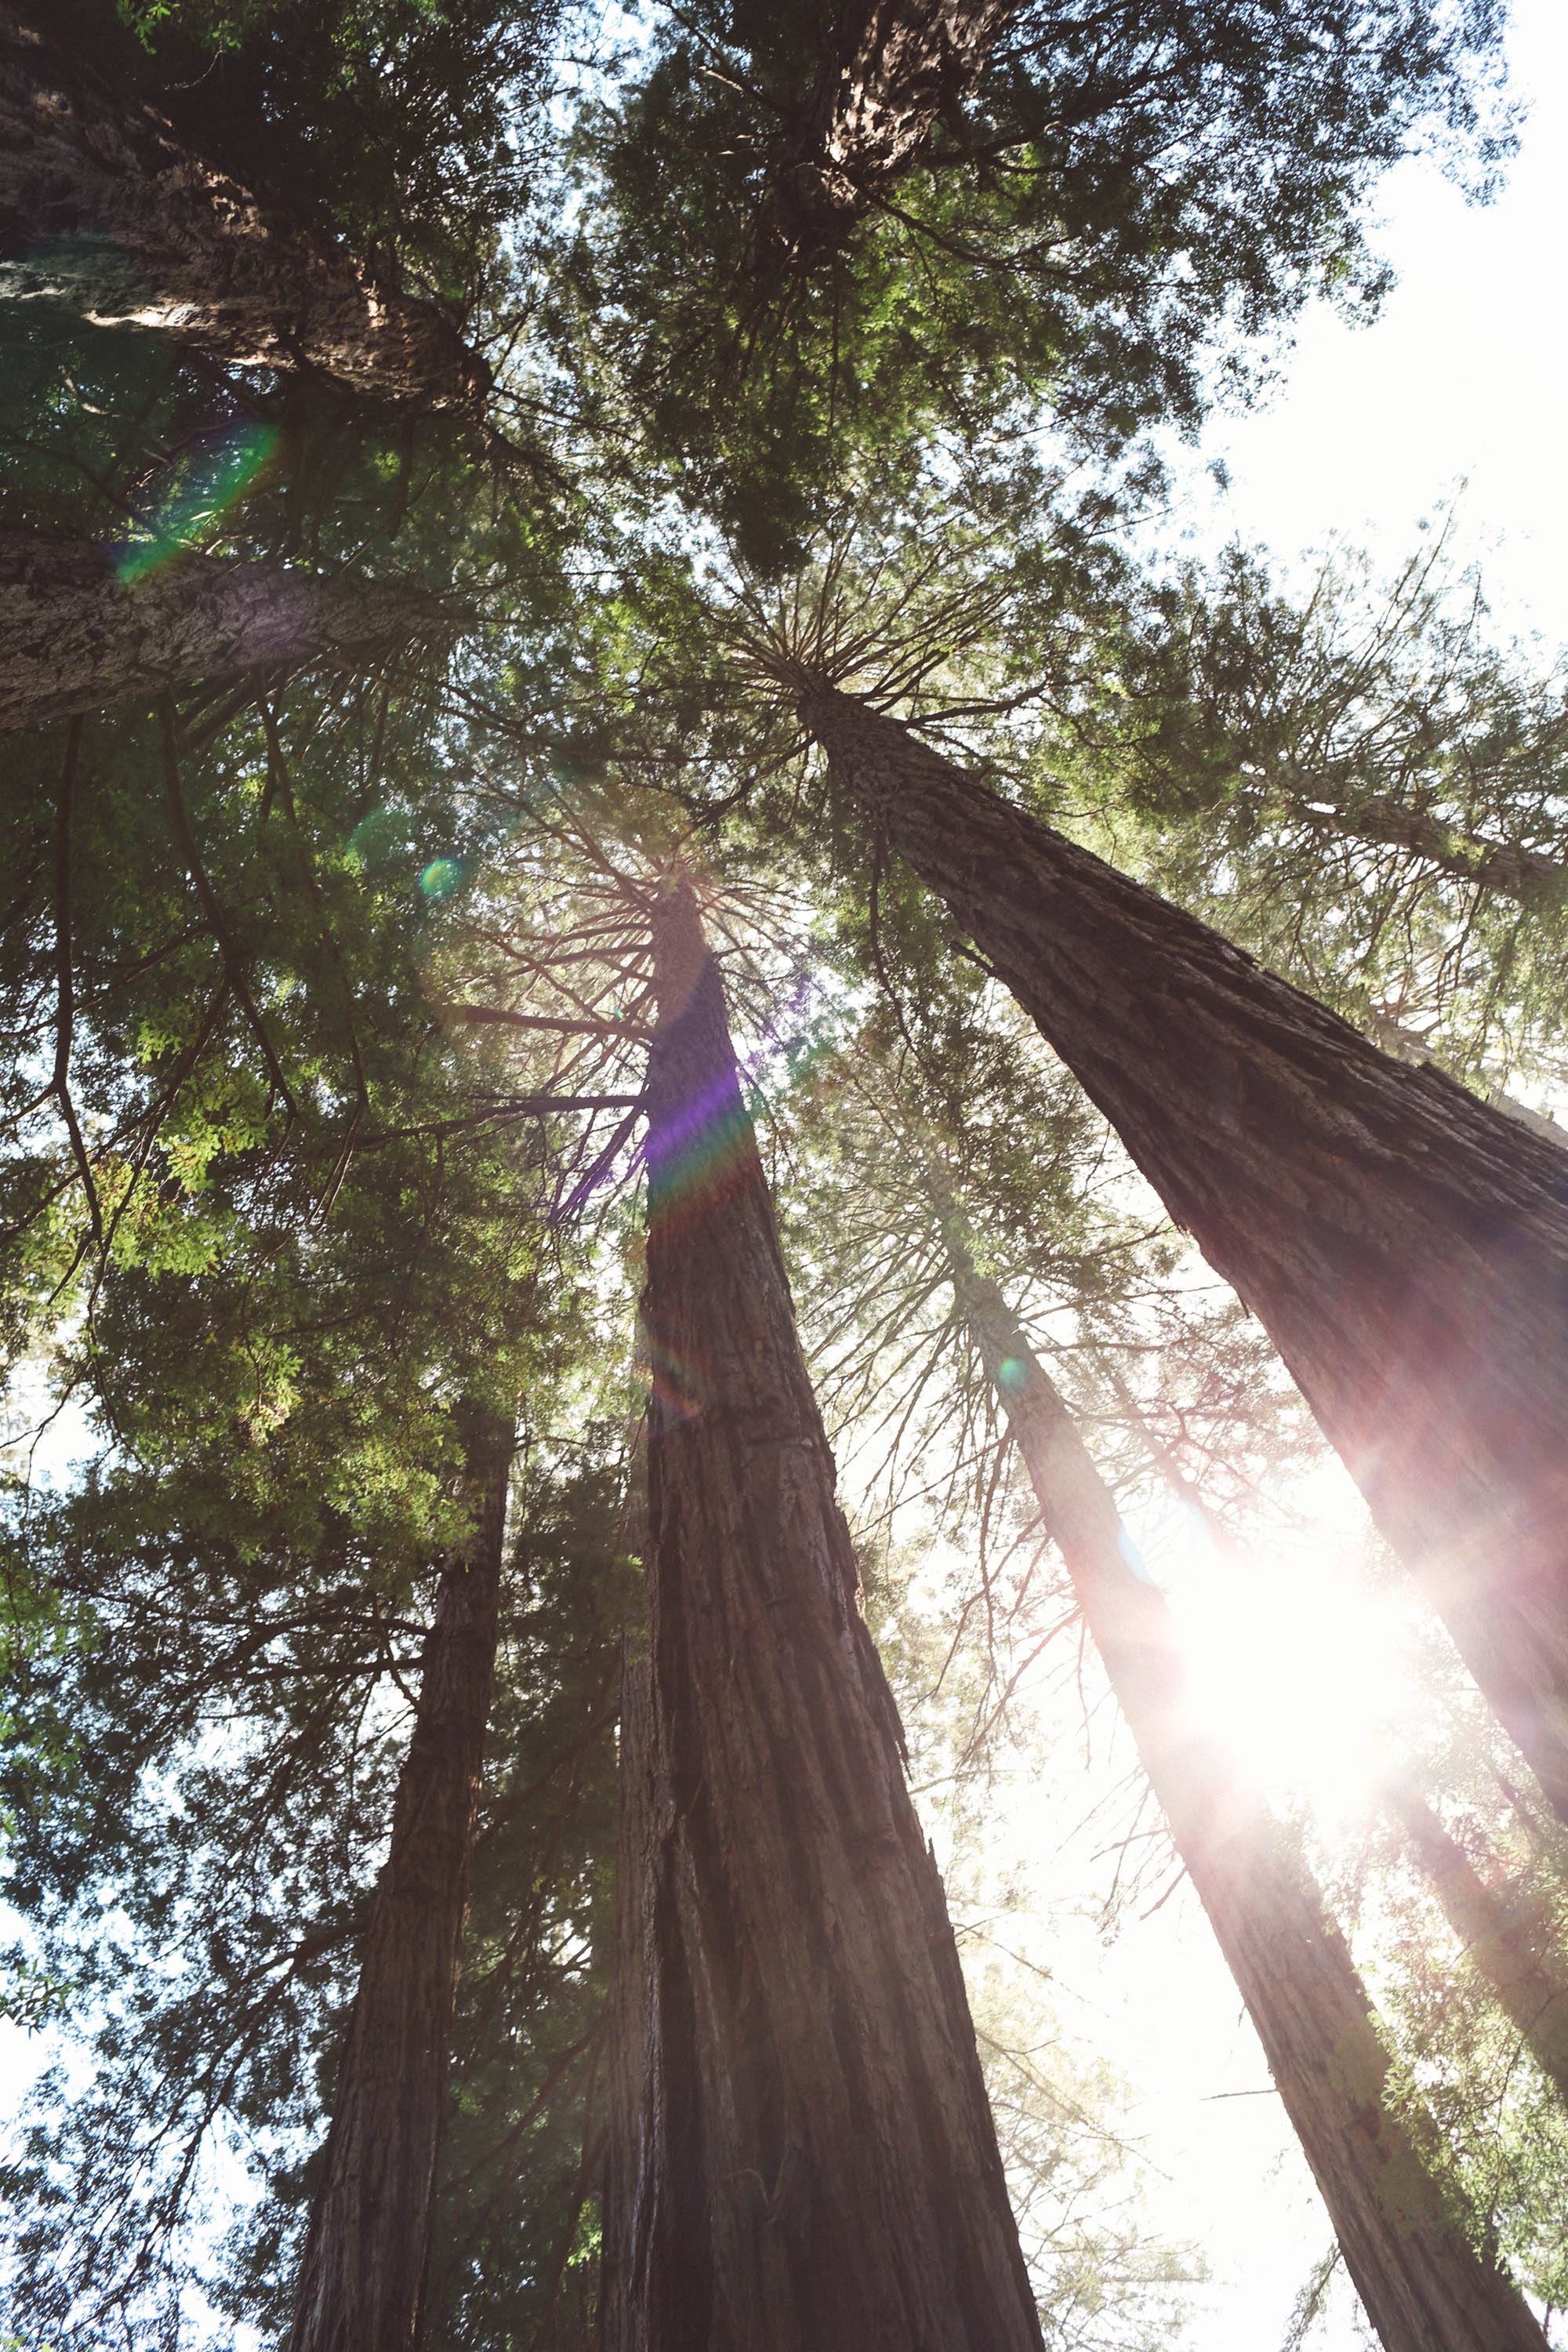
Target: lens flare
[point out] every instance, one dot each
(193, 495)
(1297, 1663)
(678, 1386)
(442, 876)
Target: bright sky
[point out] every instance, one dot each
(1461, 379)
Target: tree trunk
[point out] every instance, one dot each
(897, 65)
(1507, 1935)
(361, 2277)
(1425, 2287)
(1404, 1247)
(74, 637)
(101, 208)
(804, 2156)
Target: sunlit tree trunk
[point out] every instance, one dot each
(804, 2155)
(1506, 1932)
(103, 209)
(896, 65)
(74, 634)
(361, 2278)
(1425, 2287)
(1404, 1247)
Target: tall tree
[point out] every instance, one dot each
(892, 72)
(1508, 1932)
(802, 2151)
(80, 631)
(820, 231)
(103, 209)
(515, 2258)
(1405, 1247)
(1424, 2286)
(362, 2272)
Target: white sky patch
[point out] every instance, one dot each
(1461, 381)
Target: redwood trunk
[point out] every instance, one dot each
(102, 208)
(873, 108)
(1404, 1247)
(361, 2277)
(73, 635)
(1425, 2287)
(804, 2156)
(1507, 1935)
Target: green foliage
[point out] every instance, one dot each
(1127, 199)
(1503, 2128)
(1360, 782)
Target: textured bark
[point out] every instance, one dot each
(102, 208)
(1507, 1933)
(899, 63)
(1425, 2287)
(74, 637)
(1404, 1247)
(361, 2277)
(804, 2156)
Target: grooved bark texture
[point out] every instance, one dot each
(361, 2278)
(1425, 2287)
(74, 637)
(804, 2158)
(1509, 1937)
(1404, 1247)
(897, 65)
(102, 208)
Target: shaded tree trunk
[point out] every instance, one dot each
(361, 2277)
(804, 2156)
(899, 64)
(103, 209)
(1404, 1247)
(1506, 1934)
(1425, 2287)
(73, 635)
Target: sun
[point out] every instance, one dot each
(1298, 1662)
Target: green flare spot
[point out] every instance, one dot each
(441, 878)
(193, 495)
(1012, 1373)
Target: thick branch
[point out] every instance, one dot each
(1527, 874)
(75, 636)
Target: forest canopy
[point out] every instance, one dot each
(734, 1119)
